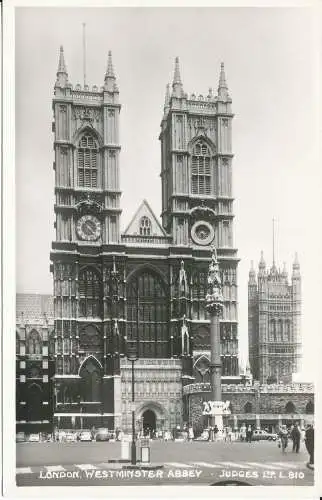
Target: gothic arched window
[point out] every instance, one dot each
(287, 330)
(147, 315)
(272, 330)
(309, 407)
(290, 408)
(145, 226)
(201, 169)
(34, 402)
(89, 293)
(199, 291)
(34, 343)
(279, 330)
(248, 408)
(91, 374)
(87, 162)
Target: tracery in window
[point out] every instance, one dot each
(34, 343)
(147, 315)
(272, 330)
(91, 374)
(87, 161)
(199, 290)
(89, 293)
(145, 226)
(201, 169)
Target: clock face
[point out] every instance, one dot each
(89, 228)
(202, 233)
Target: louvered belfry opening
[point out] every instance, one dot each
(201, 169)
(87, 159)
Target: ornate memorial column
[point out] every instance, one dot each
(214, 305)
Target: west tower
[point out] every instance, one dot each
(87, 269)
(197, 209)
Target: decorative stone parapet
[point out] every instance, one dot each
(265, 388)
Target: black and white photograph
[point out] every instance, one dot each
(166, 190)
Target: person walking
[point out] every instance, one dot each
(249, 434)
(190, 434)
(283, 435)
(309, 443)
(296, 437)
(243, 433)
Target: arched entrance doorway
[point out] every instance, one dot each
(149, 422)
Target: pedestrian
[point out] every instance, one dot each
(243, 433)
(249, 434)
(190, 434)
(283, 435)
(309, 443)
(296, 436)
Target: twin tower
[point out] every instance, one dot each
(143, 289)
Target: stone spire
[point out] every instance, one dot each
(252, 274)
(62, 75)
(284, 272)
(222, 87)
(262, 264)
(110, 80)
(296, 266)
(177, 88)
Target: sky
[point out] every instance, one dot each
(271, 64)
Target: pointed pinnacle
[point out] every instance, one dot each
(61, 65)
(176, 76)
(110, 69)
(167, 96)
(222, 77)
(296, 264)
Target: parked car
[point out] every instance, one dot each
(85, 436)
(259, 435)
(34, 438)
(70, 437)
(103, 435)
(204, 436)
(20, 437)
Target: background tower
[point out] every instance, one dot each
(274, 313)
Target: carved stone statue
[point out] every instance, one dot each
(214, 296)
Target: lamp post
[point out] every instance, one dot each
(214, 305)
(132, 356)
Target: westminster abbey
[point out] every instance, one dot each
(142, 290)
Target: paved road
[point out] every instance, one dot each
(195, 463)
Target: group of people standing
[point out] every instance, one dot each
(295, 435)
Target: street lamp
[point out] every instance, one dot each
(132, 356)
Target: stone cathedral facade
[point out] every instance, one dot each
(145, 287)
(274, 316)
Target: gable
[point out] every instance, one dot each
(144, 218)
